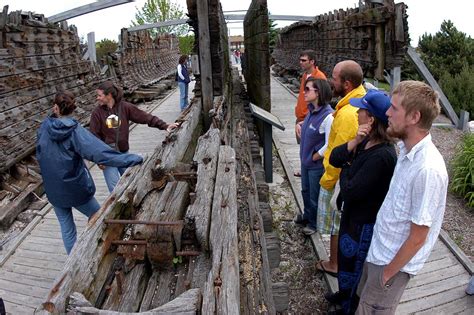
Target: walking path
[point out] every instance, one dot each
(437, 289)
(28, 269)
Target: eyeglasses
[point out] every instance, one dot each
(303, 60)
(307, 89)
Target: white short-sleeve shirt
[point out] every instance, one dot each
(417, 194)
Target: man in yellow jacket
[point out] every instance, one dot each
(347, 78)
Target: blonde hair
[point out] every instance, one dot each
(419, 96)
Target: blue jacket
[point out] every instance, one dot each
(62, 144)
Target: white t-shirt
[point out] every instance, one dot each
(417, 194)
(325, 128)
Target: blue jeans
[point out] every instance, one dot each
(183, 95)
(66, 220)
(310, 191)
(112, 176)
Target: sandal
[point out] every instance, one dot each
(320, 267)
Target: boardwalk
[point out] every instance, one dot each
(27, 270)
(437, 289)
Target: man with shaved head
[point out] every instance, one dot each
(346, 82)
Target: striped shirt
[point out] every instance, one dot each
(417, 194)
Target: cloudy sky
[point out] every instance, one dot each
(424, 15)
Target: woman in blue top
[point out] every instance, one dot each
(314, 138)
(62, 144)
(183, 81)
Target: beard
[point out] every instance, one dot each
(398, 134)
(337, 91)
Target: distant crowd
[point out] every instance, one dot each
(383, 212)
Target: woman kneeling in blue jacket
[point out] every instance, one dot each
(62, 144)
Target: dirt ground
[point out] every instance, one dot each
(306, 286)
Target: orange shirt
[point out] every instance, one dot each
(301, 108)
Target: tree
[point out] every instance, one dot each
(272, 34)
(186, 44)
(154, 11)
(448, 50)
(105, 47)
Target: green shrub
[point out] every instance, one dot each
(459, 89)
(462, 182)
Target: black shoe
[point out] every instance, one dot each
(299, 220)
(333, 298)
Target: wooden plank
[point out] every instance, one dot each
(18, 298)
(221, 291)
(460, 255)
(435, 287)
(25, 279)
(205, 60)
(43, 248)
(20, 252)
(425, 303)
(24, 289)
(14, 308)
(464, 305)
(200, 210)
(43, 273)
(437, 275)
(35, 263)
(438, 264)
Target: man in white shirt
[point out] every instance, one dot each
(410, 218)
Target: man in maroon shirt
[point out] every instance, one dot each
(110, 122)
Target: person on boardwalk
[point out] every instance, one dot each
(367, 164)
(314, 138)
(62, 144)
(310, 70)
(410, 218)
(110, 122)
(183, 81)
(346, 82)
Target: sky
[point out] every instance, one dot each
(424, 15)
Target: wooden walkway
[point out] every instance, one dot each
(28, 268)
(437, 289)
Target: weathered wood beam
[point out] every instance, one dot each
(221, 294)
(205, 60)
(199, 210)
(85, 9)
(187, 303)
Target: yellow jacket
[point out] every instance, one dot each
(343, 129)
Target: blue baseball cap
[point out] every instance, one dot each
(376, 102)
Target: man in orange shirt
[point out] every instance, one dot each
(308, 65)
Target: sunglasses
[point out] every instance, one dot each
(307, 89)
(303, 60)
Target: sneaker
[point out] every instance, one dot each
(470, 287)
(333, 298)
(299, 220)
(307, 230)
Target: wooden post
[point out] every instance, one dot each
(91, 47)
(395, 77)
(205, 62)
(463, 121)
(380, 50)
